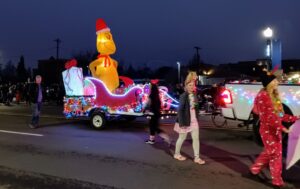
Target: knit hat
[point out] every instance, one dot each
(101, 26)
(266, 78)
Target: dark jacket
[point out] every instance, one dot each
(154, 104)
(34, 92)
(183, 115)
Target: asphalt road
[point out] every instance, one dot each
(69, 154)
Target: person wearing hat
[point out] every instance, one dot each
(154, 106)
(268, 106)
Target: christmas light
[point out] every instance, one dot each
(292, 97)
(132, 101)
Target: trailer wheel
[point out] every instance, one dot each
(98, 120)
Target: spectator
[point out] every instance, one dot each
(36, 97)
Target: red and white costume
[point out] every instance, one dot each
(271, 133)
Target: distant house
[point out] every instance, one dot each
(252, 68)
(237, 70)
(290, 65)
(51, 70)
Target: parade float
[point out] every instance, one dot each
(106, 95)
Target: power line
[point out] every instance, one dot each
(58, 41)
(197, 52)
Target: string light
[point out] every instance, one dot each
(241, 94)
(75, 106)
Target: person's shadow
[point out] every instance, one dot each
(221, 156)
(228, 159)
(160, 144)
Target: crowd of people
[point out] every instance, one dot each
(19, 92)
(13, 92)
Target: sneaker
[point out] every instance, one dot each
(150, 141)
(199, 161)
(179, 157)
(32, 126)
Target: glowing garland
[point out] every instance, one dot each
(108, 91)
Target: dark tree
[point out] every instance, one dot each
(29, 72)
(144, 73)
(9, 72)
(121, 70)
(166, 73)
(131, 72)
(21, 71)
(1, 75)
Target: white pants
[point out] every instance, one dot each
(196, 143)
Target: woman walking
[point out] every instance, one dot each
(268, 106)
(188, 121)
(154, 105)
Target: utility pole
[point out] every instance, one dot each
(58, 41)
(197, 52)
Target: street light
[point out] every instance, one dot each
(178, 64)
(268, 34)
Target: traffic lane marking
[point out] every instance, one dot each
(21, 133)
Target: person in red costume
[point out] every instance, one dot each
(268, 106)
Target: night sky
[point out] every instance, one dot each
(152, 33)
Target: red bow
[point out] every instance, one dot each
(106, 60)
(154, 81)
(69, 64)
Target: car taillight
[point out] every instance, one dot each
(226, 96)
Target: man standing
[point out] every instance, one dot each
(36, 97)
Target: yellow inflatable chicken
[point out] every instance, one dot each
(105, 68)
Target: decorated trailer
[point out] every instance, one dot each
(100, 105)
(102, 96)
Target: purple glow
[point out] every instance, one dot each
(111, 94)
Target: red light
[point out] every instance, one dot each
(226, 96)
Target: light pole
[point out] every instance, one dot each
(58, 41)
(268, 34)
(178, 64)
(197, 53)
